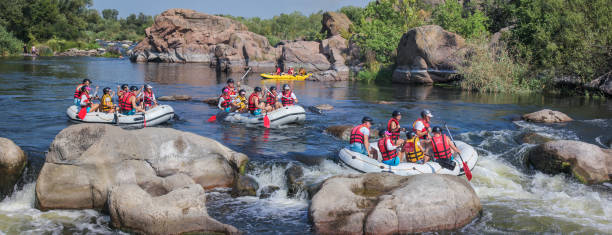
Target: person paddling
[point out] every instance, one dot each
(128, 104)
(272, 98)
(441, 146)
(359, 140)
(255, 104)
(86, 100)
(412, 150)
(241, 101)
(388, 150)
(225, 101)
(288, 98)
(393, 126)
(422, 125)
(231, 88)
(77, 91)
(148, 97)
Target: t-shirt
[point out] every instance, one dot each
(365, 131)
(221, 100)
(84, 99)
(390, 145)
(418, 125)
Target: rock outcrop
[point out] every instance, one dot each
(428, 54)
(87, 162)
(586, 162)
(602, 84)
(547, 116)
(380, 203)
(181, 35)
(175, 98)
(245, 186)
(344, 131)
(335, 23)
(12, 162)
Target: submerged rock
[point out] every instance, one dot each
(602, 84)
(533, 138)
(428, 54)
(586, 162)
(175, 98)
(547, 116)
(294, 184)
(344, 132)
(86, 162)
(326, 107)
(12, 162)
(267, 191)
(245, 186)
(381, 203)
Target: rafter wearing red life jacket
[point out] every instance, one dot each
(286, 98)
(231, 90)
(395, 133)
(425, 128)
(252, 104)
(386, 154)
(227, 101)
(271, 99)
(440, 148)
(356, 135)
(124, 102)
(77, 92)
(148, 98)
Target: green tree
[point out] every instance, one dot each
(8, 43)
(453, 17)
(110, 14)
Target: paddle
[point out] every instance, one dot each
(82, 113)
(466, 169)
(266, 118)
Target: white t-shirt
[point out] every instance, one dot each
(418, 125)
(365, 131)
(83, 99)
(292, 96)
(390, 146)
(221, 100)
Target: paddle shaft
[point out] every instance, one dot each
(451, 136)
(247, 72)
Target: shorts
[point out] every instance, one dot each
(257, 112)
(131, 112)
(393, 162)
(77, 102)
(358, 148)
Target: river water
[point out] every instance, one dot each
(35, 93)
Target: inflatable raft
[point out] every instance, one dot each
(285, 77)
(154, 116)
(285, 115)
(366, 164)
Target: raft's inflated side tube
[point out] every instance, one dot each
(154, 116)
(366, 164)
(285, 115)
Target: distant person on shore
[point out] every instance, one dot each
(25, 49)
(291, 71)
(148, 98)
(106, 102)
(359, 139)
(34, 51)
(288, 98)
(302, 71)
(127, 102)
(278, 71)
(77, 92)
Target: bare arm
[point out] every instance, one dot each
(366, 142)
(138, 108)
(452, 145)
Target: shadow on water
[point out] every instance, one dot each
(515, 198)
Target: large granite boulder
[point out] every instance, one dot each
(336, 49)
(335, 23)
(428, 54)
(586, 162)
(85, 162)
(12, 162)
(547, 116)
(382, 203)
(602, 84)
(306, 54)
(344, 132)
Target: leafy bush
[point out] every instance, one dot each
(453, 17)
(8, 43)
(285, 26)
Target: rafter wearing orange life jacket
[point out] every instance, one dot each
(425, 129)
(395, 133)
(386, 153)
(440, 147)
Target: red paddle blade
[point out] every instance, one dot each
(467, 171)
(212, 119)
(266, 121)
(82, 113)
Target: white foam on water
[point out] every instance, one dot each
(547, 131)
(603, 123)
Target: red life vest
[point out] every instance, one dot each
(227, 101)
(286, 99)
(356, 135)
(77, 92)
(395, 134)
(231, 90)
(271, 99)
(124, 102)
(425, 123)
(148, 98)
(440, 149)
(252, 104)
(386, 154)
(278, 71)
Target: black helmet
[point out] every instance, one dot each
(436, 129)
(286, 87)
(124, 86)
(367, 119)
(272, 88)
(410, 134)
(133, 88)
(425, 113)
(86, 80)
(257, 89)
(230, 81)
(242, 91)
(396, 113)
(106, 90)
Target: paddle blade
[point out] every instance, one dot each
(468, 172)
(213, 118)
(82, 113)
(266, 121)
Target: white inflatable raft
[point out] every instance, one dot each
(285, 115)
(154, 116)
(366, 164)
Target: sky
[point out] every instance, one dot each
(245, 8)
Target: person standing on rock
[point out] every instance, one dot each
(441, 146)
(387, 149)
(359, 140)
(394, 128)
(288, 98)
(255, 104)
(422, 125)
(77, 91)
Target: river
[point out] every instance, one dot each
(35, 92)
